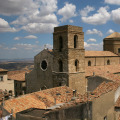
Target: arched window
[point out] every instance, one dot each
(60, 43)
(108, 62)
(60, 66)
(77, 65)
(75, 41)
(89, 63)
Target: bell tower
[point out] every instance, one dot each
(69, 58)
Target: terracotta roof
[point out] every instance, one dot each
(114, 35)
(99, 70)
(17, 75)
(99, 53)
(105, 87)
(3, 70)
(117, 104)
(41, 99)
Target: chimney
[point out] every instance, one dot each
(74, 93)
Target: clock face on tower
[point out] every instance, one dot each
(44, 65)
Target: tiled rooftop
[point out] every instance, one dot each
(105, 87)
(41, 99)
(3, 70)
(95, 53)
(17, 75)
(99, 53)
(46, 98)
(117, 104)
(102, 69)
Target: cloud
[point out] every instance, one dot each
(95, 47)
(110, 31)
(94, 31)
(4, 26)
(67, 12)
(25, 46)
(30, 37)
(116, 15)
(71, 21)
(101, 17)
(17, 38)
(39, 27)
(91, 40)
(114, 2)
(17, 7)
(41, 20)
(86, 10)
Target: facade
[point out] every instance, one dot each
(19, 81)
(69, 58)
(112, 43)
(65, 65)
(5, 83)
(68, 62)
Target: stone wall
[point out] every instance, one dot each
(69, 54)
(6, 84)
(111, 44)
(103, 107)
(39, 78)
(101, 61)
(94, 81)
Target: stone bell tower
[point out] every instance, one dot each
(69, 58)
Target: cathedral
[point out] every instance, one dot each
(67, 62)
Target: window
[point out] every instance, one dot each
(108, 62)
(75, 41)
(89, 63)
(60, 66)
(60, 84)
(76, 65)
(60, 43)
(44, 65)
(1, 78)
(118, 50)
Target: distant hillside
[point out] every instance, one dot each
(23, 64)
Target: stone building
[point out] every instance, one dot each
(5, 83)
(65, 65)
(67, 62)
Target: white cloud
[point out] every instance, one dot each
(116, 15)
(94, 31)
(39, 27)
(101, 17)
(68, 11)
(40, 19)
(115, 2)
(25, 46)
(91, 40)
(71, 21)
(17, 38)
(94, 47)
(4, 26)
(86, 10)
(110, 31)
(17, 7)
(30, 37)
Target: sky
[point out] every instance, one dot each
(26, 26)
